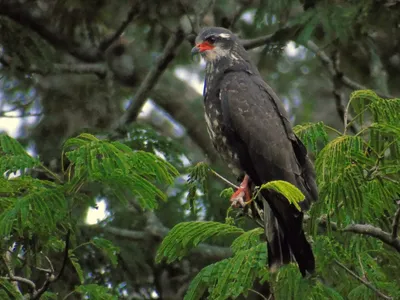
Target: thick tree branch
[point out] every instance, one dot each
(79, 68)
(363, 281)
(151, 79)
(376, 232)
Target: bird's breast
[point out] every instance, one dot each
(218, 134)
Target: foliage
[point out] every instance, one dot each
(36, 213)
(358, 182)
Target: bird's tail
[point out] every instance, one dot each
(286, 238)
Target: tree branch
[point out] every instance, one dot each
(109, 41)
(395, 224)
(51, 278)
(151, 79)
(21, 15)
(7, 262)
(335, 73)
(281, 35)
(363, 281)
(366, 229)
(155, 229)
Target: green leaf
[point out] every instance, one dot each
(49, 296)
(186, 235)
(125, 172)
(312, 135)
(10, 289)
(205, 279)
(13, 156)
(108, 248)
(288, 190)
(247, 240)
(94, 291)
(239, 275)
(76, 265)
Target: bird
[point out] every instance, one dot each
(250, 128)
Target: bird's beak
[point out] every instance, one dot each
(201, 47)
(195, 50)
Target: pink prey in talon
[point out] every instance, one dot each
(242, 196)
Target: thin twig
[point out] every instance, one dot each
(363, 281)
(395, 224)
(51, 278)
(109, 41)
(149, 82)
(224, 179)
(259, 294)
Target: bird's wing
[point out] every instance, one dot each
(257, 128)
(255, 120)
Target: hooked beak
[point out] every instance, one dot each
(201, 47)
(195, 51)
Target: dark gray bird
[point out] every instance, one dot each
(249, 127)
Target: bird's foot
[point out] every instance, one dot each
(242, 196)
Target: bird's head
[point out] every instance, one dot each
(214, 43)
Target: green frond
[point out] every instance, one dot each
(75, 263)
(288, 190)
(338, 175)
(290, 285)
(205, 279)
(229, 278)
(49, 296)
(107, 248)
(242, 270)
(197, 175)
(127, 173)
(35, 206)
(94, 291)
(13, 156)
(9, 289)
(313, 135)
(247, 240)
(187, 235)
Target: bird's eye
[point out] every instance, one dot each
(211, 39)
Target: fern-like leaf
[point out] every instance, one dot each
(127, 173)
(95, 291)
(247, 240)
(13, 156)
(75, 263)
(205, 279)
(238, 277)
(311, 134)
(108, 249)
(186, 235)
(288, 190)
